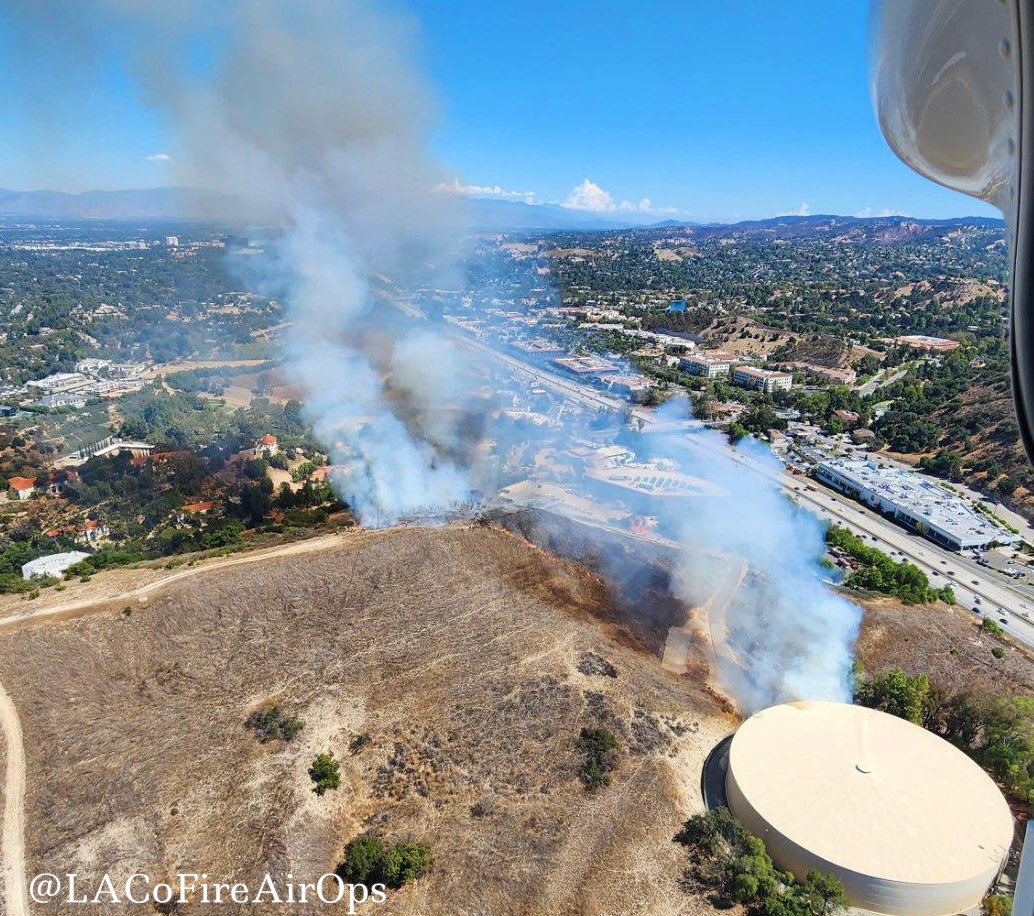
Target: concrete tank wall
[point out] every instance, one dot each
(876, 894)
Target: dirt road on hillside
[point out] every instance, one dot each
(13, 844)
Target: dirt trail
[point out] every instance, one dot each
(13, 844)
(95, 603)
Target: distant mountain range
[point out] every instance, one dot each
(514, 215)
(152, 203)
(168, 204)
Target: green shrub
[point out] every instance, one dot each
(996, 905)
(599, 745)
(270, 723)
(895, 692)
(738, 867)
(369, 861)
(405, 862)
(325, 773)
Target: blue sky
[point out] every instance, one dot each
(712, 110)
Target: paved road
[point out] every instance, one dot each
(880, 380)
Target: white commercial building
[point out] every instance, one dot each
(906, 821)
(918, 503)
(708, 364)
(61, 381)
(54, 564)
(762, 379)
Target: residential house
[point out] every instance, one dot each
(23, 487)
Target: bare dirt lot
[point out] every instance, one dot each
(470, 658)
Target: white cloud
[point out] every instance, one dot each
(159, 157)
(868, 211)
(455, 186)
(591, 197)
(587, 196)
(803, 210)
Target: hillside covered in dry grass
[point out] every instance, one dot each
(449, 671)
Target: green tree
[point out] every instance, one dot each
(325, 773)
(895, 692)
(362, 862)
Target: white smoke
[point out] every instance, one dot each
(786, 635)
(314, 117)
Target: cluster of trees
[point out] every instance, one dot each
(50, 297)
(880, 573)
(369, 860)
(996, 730)
(737, 866)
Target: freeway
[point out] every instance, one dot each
(977, 588)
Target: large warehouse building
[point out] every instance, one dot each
(908, 823)
(919, 503)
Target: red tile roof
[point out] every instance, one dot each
(267, 439)
(21, 483)
(197, 507)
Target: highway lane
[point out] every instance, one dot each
(969, 581)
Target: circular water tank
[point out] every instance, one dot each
(908, 823)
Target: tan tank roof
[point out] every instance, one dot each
(868, 793)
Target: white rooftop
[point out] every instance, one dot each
(920, 497)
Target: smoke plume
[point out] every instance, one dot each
(313, 119)
(783, 635)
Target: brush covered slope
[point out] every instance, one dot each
(450, 673)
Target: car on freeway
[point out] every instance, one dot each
(1002, 620)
